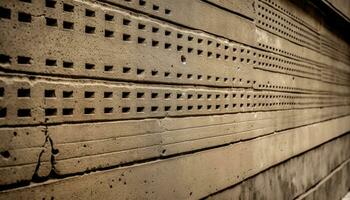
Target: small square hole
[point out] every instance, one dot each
(2, 92)
(24, 17)
(140, 109)
(140, 71)
(167, 11)
(154, 108)
(126, 22)
(108, 110)
(68, 25)
(24, 112)
(50, 111)
(5, 59)
(108, 95)
(67, 64)
(155, 43)
(51, 62)
(50, 3)
(142, 2)
(89, 94)
(89, 13)
(126, 37)
(125, 109)
(155, 29)
(90, 29)
(49, 93)
(126, 70)
(141, 40)
(67, 94)
(109, 17)
(89, 66)
(67, 111)
(140, 95)
(23, 92)
(155, 7)
(68, 8)
(5, 13)
(3, 112)
(125, 94)
(141, 26)
(109, 33)
(89, 111)
(108, 68)
(51, 21)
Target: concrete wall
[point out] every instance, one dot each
(165, 99)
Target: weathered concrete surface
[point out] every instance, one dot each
(296, 176)
(178, 99)
(200, 174)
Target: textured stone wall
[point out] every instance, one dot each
(174, 99)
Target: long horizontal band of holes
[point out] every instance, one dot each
(122, 70)
(324, 67)
(224, 50)
(287, 12)
(185, 102)
(279, 63)
(282, 25)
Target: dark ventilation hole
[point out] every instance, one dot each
(126, 22)
(167, 11)
(154, 108)
(155, 29)
(141, 40)
(89, 94)
(183, 59)
(154, 73)
(167, 95)
(5, 13)
(23, 60)
(155, 43)
(24, 112)
(89, 66)
(108, 95)
(126, 37)
(142, 2)
(5, 59)
(154, 95)
(51, 21)
(2, 92)
(109, 33)
(140, 71)
(167, 108)
(140, 109)
(67, 94)
(55, 151)
(5, 154)
(166, 74)
(108, 68)
(89, 13)
(89, 111)
(67, 64)
(50, 111)
(125, 109)
(109, 17)
(140, 94)
(50, 3)
(3, 112)
(155, 7)
(68, 25)
(141, 26)
(108, 110)
(50, 93)
(90, 29)
(67, 111)
(167, 45)
(51, 62)
(24, 17)
(126, 69)
(68, 8)
(125, 94)
(23, 92)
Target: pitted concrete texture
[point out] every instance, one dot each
(185, 99)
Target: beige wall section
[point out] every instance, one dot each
(185, 99)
